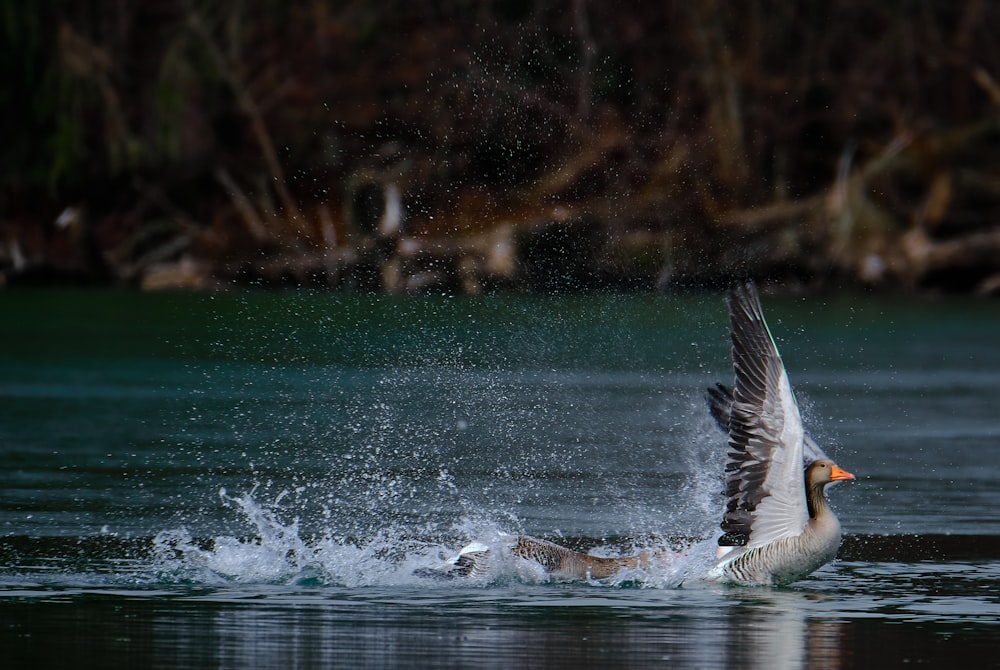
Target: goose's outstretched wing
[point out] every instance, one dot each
(765, 489)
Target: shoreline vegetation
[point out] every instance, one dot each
(514, 145)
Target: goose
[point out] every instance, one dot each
(777, 526)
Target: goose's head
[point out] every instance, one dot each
(823, 472)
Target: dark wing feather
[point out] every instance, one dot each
(720, 403)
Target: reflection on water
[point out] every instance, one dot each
(555, 627)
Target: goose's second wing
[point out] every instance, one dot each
(765, 490)
(720, 403)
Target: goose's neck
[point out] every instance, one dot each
(816, 501)
(821, 535)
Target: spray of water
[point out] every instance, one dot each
(372, 522)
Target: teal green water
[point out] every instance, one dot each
(212, 480)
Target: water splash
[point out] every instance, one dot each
(277, 552)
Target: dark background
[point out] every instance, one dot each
(534, 145)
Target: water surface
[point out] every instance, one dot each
(251, 479)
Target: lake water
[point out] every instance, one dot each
(250, 480)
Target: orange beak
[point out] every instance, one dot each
(838, 475)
